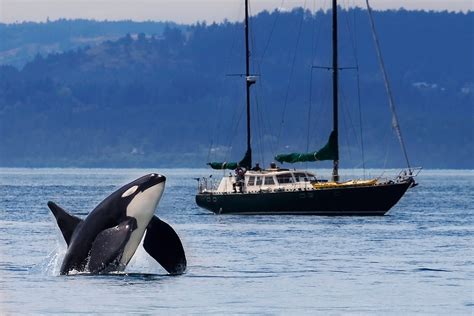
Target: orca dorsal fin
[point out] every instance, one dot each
(67, 223)
(163, 244)
(108, 246)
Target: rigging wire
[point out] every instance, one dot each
(262, 124)
(309, 108)
(342, 106)
(290, 76)
(345, 118)
(310, 103)
(353, 37)
(217, 127)
(257, 109)
(234, 132)
(361, 125)
(260, 133)
(347, 124)
(325, 88)
(323, 110)
(395, 124)
(387, 151)
(271, 34)
(314, 46)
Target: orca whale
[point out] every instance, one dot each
(107, 238)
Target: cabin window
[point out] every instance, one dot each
(269, 181)
(284, 178)
(301, 177)
(251, 181)
(259, 181)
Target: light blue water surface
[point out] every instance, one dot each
(417, 259)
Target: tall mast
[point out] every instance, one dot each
(248, 80)
(335, 70)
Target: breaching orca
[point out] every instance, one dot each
(108, 237)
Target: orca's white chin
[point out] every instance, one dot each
(142, 208)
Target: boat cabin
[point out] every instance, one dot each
(267, 180)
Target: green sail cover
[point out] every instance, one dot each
(328, 152)
(245, 163)
(223, 165)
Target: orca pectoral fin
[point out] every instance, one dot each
(164, 245)
(67, 223)
(109, 245)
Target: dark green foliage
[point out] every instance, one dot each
(21, 41)
(160, 99)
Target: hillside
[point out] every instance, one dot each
(161, 100)
(21, 42)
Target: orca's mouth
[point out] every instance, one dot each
(153, 179)
(142, 184)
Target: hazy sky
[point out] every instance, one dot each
(187, 11)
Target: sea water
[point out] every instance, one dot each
(417, 259)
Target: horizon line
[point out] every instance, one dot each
(224, 19)
(188, 13)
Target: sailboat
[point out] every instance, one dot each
(283, 191)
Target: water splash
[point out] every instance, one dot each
(51, 264)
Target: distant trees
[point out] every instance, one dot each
(28, 39)
(152, 98)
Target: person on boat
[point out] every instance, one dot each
(273, 165)
(257, 167)
(239, 178)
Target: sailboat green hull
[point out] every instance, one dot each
(372, 200)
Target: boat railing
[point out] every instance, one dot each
(408, 173)
(403, 175)
(206, 184)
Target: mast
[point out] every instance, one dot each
(335, 69)
(248, 81)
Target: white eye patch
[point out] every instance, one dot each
(130, 191)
